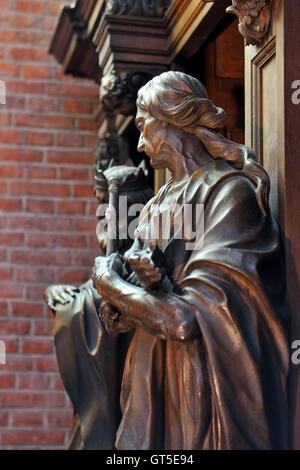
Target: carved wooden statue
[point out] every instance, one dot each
(208, 362)
(89, 360)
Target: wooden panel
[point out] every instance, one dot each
(272, 129)
(264, 137)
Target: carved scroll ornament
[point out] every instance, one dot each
(148, 8)
(254, 18)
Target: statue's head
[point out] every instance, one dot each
(179, 101)
(168, 106)
(133, 184)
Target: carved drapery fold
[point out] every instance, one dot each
(254, 18)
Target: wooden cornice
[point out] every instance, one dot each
(72, 44)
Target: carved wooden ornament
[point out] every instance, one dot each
(254, 18)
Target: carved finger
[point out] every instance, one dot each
(71, 291)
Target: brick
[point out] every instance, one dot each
(85, 224)
(25, 87)
(59, 419)
(10, 205)
(42, 240)
(34, 346)
(15, 102)
(11, 239)
(39, 189)
(43, 327)
(34, 274)
(33, 381)
(9, 70)
(19, 364)
(39, 138)
(83, 190)
(41, 257)
(3, 418)
(26, 309)
(10, 171)
(86, 124)
(11, 327)
(40, 437)
(15, 154)
(22, 20)
(81, 91)
(92, 208)
(24, 54)
(70, 140)
(11, 136)
(40, 172)
(49, 23)
(3, 188)
(26, 418)
(37, 120)
(46, 364)
(31, 7)
(10, 291)
(91, 141)
(3, 308)
(71, 207)
(5, 273)
(8, 36)
(7, 381)
(75, 157)
(35, 292)
(38, 71)
(4, 119)
(85, 258)
(56, 382)
(32, 222)
(72, 241)
(32, 37)
(39, 206)
(30, 399)
(43, 104)
(12, 345)
(74, 275)
(54, 8)
(77, 107)
(3, 254)
(73, 174)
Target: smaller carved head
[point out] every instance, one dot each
(133, 184)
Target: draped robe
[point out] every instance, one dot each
(225, 388)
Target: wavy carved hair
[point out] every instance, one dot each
(182, 101)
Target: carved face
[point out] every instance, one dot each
(155, 139)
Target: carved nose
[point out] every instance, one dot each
(140, 146)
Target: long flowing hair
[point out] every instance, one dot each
(181, 100)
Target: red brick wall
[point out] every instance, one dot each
(47, 222)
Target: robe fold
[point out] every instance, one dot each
(225, 388)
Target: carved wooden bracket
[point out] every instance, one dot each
(254, 18)
(118, 91)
